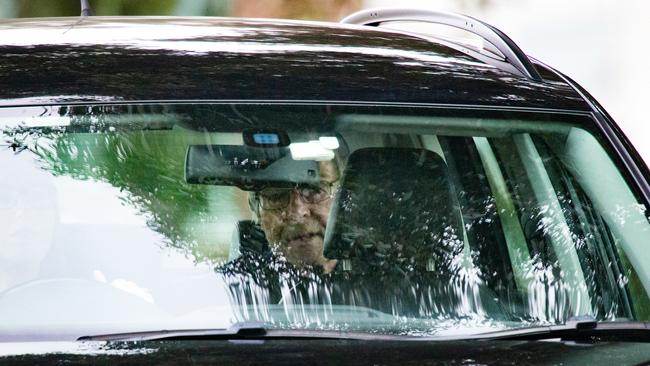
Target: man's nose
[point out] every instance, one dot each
(297, 206)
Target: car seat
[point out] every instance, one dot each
(394, 212)
(248, 236)
(395, 229)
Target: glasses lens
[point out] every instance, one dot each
(275, 199)
(315, 195)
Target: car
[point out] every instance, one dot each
(205, 190)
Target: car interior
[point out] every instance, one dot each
(519, 214)
(507, 199)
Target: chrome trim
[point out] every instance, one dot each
(512, 53)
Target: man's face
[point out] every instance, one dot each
(298, 229)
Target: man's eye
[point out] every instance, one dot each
(314, 194)
(277, 196)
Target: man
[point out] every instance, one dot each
(294, 220)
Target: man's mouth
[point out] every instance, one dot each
(305, 237)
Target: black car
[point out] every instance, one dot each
(218, 190)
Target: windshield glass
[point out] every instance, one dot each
(397, 220)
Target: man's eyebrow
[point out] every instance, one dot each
(332, 182)
(275, 189)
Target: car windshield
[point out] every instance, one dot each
(367, 218)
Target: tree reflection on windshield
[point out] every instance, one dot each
(427, 224)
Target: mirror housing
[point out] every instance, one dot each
(249, 168)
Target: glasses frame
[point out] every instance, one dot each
(327, 189)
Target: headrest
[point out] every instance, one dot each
(247, 237)
(394, 211)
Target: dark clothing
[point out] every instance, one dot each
(262, 280)
(258, 278)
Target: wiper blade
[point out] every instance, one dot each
(581, 330)
(240, 331)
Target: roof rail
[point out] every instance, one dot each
(86, 10)
(508, 48)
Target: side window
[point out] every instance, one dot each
(569, 242)
(592, 238)
(479, 213)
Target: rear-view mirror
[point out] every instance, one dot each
(249, 168)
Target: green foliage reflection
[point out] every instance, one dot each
(143, 157)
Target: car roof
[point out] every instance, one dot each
(122, 59)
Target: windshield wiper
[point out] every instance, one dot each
(579, 330)
(239, 331)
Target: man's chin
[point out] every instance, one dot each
(305, 250)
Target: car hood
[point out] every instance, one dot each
(332, 352)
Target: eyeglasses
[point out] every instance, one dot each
(279, 198)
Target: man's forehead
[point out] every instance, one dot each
(328, 171)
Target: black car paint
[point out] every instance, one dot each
(344, 352)
(255, 60)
